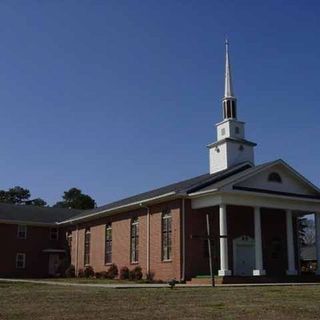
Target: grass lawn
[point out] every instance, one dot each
(37, 301)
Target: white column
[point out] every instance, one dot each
(258, 271)
(224, 265)
(317, 223)
(290, 246)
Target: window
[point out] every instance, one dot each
(22, 232)
(108, 244)
(20, 260)
(87, 237)
(274, 177)
(223, 131)
(237, 130)
(54, 234)
(166, 235)
(134, 240)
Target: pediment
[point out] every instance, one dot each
(267, 179)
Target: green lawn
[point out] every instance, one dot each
(39, 302)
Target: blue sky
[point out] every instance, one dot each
(117, 97)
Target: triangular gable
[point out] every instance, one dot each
(291, 181)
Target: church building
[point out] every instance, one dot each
(237, 220)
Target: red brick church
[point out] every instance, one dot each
(240, 219)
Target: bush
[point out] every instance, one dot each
(70, 271)
(88, 272)
(131, 275)
(81, 273)
(98, 275)
(104, 275)
(113, 271)
(137, 273)
(124, 273)
(150, 276)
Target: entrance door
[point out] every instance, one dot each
(54, 261)
(243, 256)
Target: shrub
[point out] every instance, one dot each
(124, 273)
(98, 275)
(131, 275)
(137, 273)
(113, 271)
(81, 273)
(88, 272)
(150, 276)
(104, 275)
(70, 271)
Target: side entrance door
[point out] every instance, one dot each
(54, 261)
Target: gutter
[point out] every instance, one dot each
(29, 223)
(136, 203)
(202, 193)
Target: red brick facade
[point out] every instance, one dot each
(38, 240)
(121, 241)
(240, 222)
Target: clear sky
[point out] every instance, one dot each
(120, 96)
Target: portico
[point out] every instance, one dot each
(283, 209)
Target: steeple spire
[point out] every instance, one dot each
(229, 102)
(228, 88)
(231, 147)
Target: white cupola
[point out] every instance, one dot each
(231, 147)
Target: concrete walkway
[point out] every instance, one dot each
(152, 285)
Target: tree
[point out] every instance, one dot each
(74, 198)
(38, 202)
(15, 195)
(19, 195)
(307, 232)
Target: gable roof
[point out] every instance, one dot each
(11, 213)
(243, 175)
(176, 189)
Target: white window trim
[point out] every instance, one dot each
(134, 222)
(20, 254)
(18, 231)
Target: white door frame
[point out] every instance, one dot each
(244, 241)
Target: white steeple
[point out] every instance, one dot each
(228, 88)
(231, 147)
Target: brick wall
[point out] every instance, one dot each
(36, 261)
(121, 224)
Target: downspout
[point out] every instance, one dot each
(148, 237)
(183, 271)
(77, 250)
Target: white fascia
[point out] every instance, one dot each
(119, 208)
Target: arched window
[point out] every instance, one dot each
(166, 234)
(108, 244)
(87, 239)
(275, 177)
(134, 240)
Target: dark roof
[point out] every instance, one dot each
(182, 187)
(33, 214)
